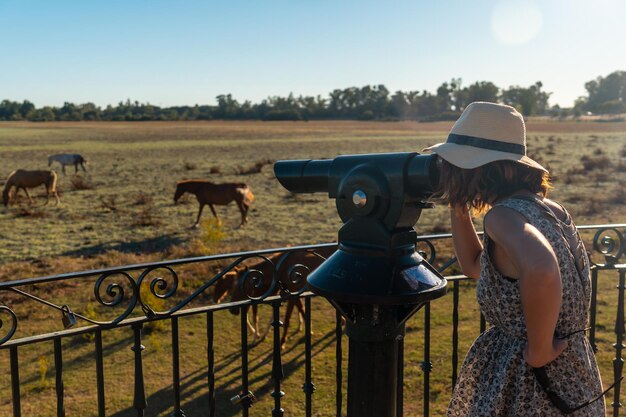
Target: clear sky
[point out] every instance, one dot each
(187, 52)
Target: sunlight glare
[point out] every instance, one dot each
(514, 22)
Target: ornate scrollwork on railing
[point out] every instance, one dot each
(159, 289)
(292, 278)
(611, 243)
(427, 250)
(257, 277)
(256, 282)
(4, 310)
(115, 295)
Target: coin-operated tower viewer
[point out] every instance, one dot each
(376, 279)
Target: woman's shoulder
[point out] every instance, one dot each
(501, 219)
(557, 209)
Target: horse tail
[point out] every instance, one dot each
(246, 192)
(52, 182)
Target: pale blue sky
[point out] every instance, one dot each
(187, 52)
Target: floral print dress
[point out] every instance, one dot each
(495, 380)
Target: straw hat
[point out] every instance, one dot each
(484, 133)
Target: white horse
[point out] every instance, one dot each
(68, 159)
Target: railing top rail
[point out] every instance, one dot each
(170, 263)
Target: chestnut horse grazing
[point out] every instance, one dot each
(287, 267)
(209, 193)
(29, 179)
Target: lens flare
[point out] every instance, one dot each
(515, 22)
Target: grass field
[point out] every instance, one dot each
(122, 212)
(125, 202)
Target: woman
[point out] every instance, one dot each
(534, 287)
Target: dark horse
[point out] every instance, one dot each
(209, 193)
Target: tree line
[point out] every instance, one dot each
(605, 95)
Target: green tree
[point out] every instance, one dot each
(607, 94)
(529, 101)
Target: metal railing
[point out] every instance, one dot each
(134, 296)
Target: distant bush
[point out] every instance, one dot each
(109, 202)
(211, 236)
(142, 199)
(145, 217)
(254, 169)
(367, 115)
(33, 213)
(590, 163)
(611, 120)
(81, 183)
(611, 107)
(279, 115)
(441, 117)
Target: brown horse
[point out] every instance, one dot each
(209, 193)
(231, 283)
(29, 179)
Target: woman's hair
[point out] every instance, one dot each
(481, 187)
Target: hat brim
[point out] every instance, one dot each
(470, 157)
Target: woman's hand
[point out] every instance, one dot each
(539, 357)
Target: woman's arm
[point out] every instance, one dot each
(467, 245)
(539, 280)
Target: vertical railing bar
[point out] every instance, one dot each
(427, 364)
(338, 364)
(58, 369)
(277, 364)
(400, 388)
(244, 358)
(455, 332)
(100, 374)
(211, 363)
(309, 387)
(593, 308)
(178, 412)
(15, 381)
(139, 398)
(618, 362)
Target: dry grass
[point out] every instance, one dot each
(137, 165)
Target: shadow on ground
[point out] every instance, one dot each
(162, 402)
(152, 245)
